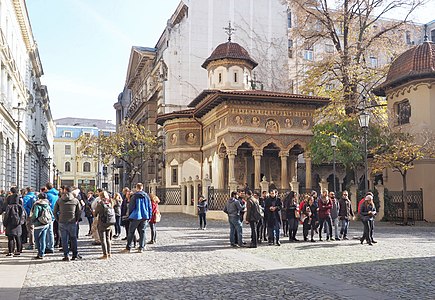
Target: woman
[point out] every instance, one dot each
(124, 210)
(368, 211)
(202, 211)
(40, 207)
(284, 215)
(309, 217)
(88, 211)
(13, 220)
(155, 218)
(104, 211)
(117, 206)
(292, 211)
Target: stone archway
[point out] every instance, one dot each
(271, 164)
(244, 165)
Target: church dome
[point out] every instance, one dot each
(415, 63)
(229, 50)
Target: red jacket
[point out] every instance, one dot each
(154, 209)
(324, 208)
(360, 203)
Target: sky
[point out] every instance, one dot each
(85, 46)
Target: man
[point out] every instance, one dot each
(53, 228)
(334, 215)
(325, 206)
(29, 199)
(253, 216)
(263, 231)
(272, 208)
(67, 211)
(344, 214)
(139, 214)
(233, 208)
(94, 231)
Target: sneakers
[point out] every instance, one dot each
(151, 242)
(104, 257)
(17, 253)
(278, 243)
(49, 251)
(126, 250)
(140, 250)
(76, 257)
(345, 238)
(39, 257)
(10, 255)
(204, 228)
(313, 241)
(30, 247)
(337, 239)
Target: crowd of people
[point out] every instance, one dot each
(49, 218)
(268, 214)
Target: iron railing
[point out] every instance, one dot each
(394, 210)
(169, 196)
(217, 198)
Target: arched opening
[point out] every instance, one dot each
(271, 164)
(244, 165)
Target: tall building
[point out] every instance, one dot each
(75, 168)
(168, 76)
(26, 124)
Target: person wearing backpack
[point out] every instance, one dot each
(29, 199)
(106, 219)
(41, 217)
(14, 218)
(117, 206)
(67, 211)
(53, 236)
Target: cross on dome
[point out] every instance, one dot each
(229, 30)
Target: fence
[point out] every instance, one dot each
(394, 206)
(169, 196)
(217, 198)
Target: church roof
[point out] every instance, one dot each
(415, 63)
(229, 50)
(209, 99)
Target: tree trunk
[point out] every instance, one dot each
(404, 200)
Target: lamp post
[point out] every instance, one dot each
(364, 119)
(141, 147)
(18, 108)
(334, 140)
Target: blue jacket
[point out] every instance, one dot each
(140, 207)
(52, 196)
(29, 199)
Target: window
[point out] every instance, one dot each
(210, 171)
(408, 38)
(174, 175)
(432, 36)
(67, 167)
(220, 77)
(87, 134)
(67, 149)
(309, 52)
(373, 62)
(403, 112)
(87, 167)
(67, 134)
(235, 77)
(289, 19)
(329, 48)
(290, 48)
(329, 87)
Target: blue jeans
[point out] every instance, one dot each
(140, 225)
(235, 227)
(274, 232)
(344, 227)
(41, 239)
(68, 231)
(50, 237)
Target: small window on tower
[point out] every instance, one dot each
(220, 77)
(235, 77)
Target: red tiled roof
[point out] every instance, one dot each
(229, 50)
(417, 62)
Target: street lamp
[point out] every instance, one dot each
(364, 119)
(334, 140)
(19, 109)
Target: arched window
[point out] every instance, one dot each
(403, 112)
(87, 167)
(67, 166)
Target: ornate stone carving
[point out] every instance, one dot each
(288, 123)
(255, 121)
(238, 120)
(271, 126)
(190, 138)
(305, 123)
(173, 139)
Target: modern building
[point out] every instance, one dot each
(168, 76)
(410, 94)
(75, 168)
(26, 124)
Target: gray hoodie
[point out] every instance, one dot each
(233, 207)
(67, 209)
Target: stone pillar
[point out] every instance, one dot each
(183, 184)
(221, 171)
(323, 185)
(206, 183)
(231, 177)
(284, 155)
(264, 185)
(308, 184)
(189, 190)
(153, 187)
(353, 195)
(257, 167)
(293, 167)
(294, 185)
(196, 193)
(381, 211)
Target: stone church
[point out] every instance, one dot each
(233, 134)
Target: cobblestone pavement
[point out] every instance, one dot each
(187, 263)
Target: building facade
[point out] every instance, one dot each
(75, 168)
(26, 124)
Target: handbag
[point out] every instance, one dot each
(158, 217)
(297, 215)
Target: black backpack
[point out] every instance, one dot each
(15, 215)
(108, 216)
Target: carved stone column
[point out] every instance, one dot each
(153, 186)
(381, 191)
(257, 167)
(231, 158)
(284, 155)
(206, 183)
(293, 167)
(308, 184)
(221, 172)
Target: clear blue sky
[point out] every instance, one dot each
(85, 46)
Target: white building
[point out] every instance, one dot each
(26, 125)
